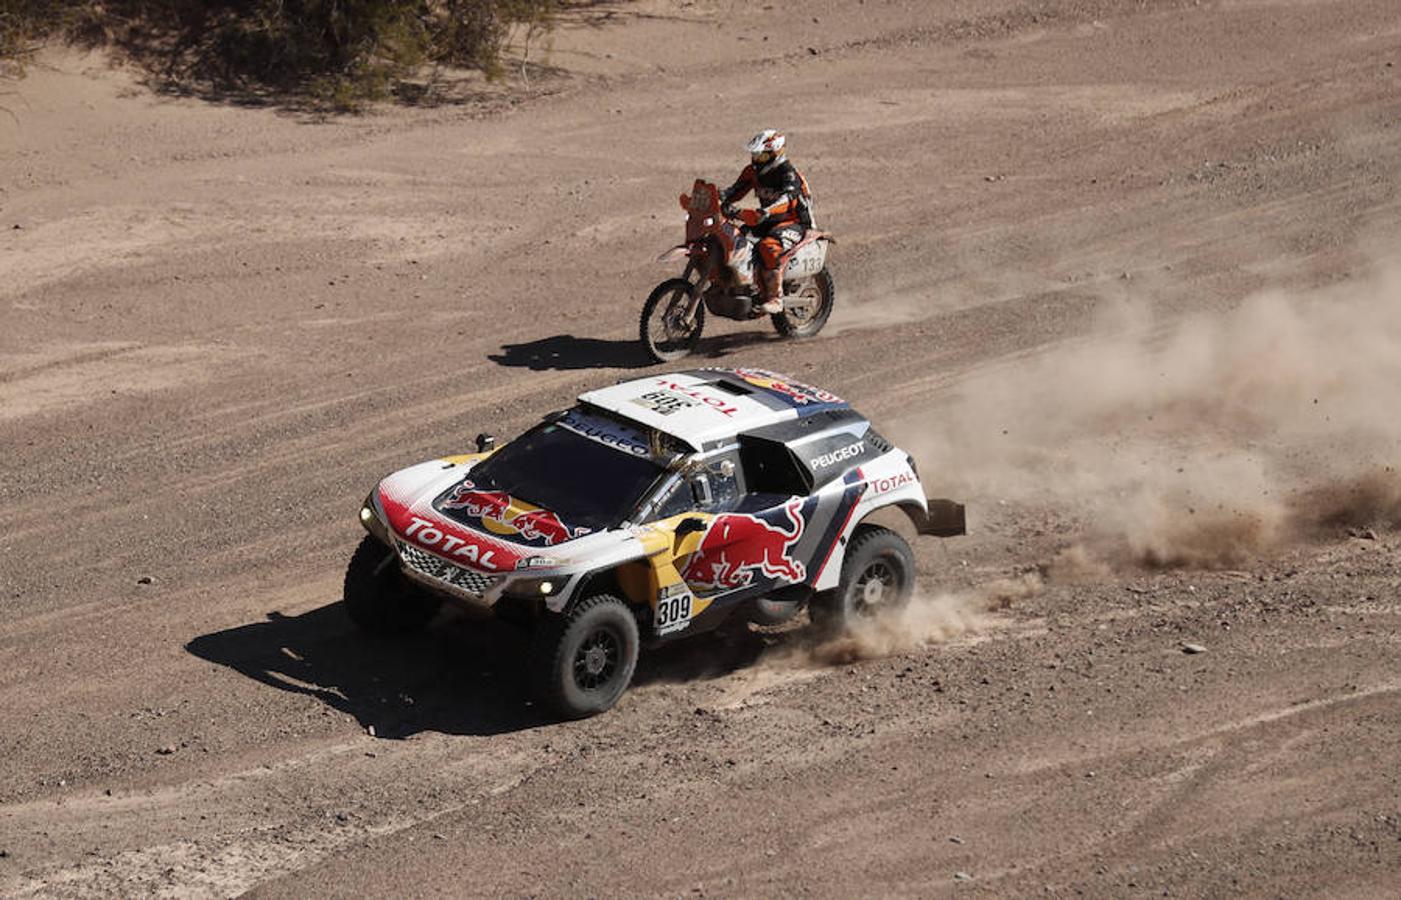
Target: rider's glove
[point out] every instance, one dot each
(751, 217)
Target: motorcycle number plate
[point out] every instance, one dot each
(805, 264)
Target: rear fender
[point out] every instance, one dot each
(891, 481)
(806, 258)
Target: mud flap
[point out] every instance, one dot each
(945, 518)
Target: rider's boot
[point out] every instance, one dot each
(772, 292)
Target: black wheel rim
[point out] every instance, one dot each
(877, 587)
(597, 659)
(669, 329)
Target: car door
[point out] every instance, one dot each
(754, 523)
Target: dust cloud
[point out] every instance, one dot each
(924, 620)
(1200, 443)
(1203, 443)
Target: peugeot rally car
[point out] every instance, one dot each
(651, 510)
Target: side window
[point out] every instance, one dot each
(722, 478)
(769, 469)
(725, 492)
(677, 502)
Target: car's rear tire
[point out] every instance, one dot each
(878, 573)
(379, 598)
(583, 660)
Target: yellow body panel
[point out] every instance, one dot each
(648, 579)
(461, 458)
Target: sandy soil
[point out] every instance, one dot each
(1118, 271)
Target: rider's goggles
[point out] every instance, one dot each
(762, 158)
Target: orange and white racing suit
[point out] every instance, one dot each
(785, 208)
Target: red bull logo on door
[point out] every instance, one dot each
(502, 514)
(736, 546)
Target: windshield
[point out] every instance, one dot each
(594, 481)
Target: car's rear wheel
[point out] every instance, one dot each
(878, 574)
(582, 661)
(377, 595)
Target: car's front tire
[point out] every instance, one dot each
(583, 660)
(379, 598)
(878, 573)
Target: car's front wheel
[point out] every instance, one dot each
(582, 661)
(377, 595)
(878, 573)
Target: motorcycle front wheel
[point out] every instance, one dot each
(671, 321)
(805, 312)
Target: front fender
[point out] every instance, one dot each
(675, 254)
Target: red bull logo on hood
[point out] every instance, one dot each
(735, 546)
(500, 513)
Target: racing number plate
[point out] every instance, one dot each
(673, 612)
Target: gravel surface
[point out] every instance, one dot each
(1117, 272)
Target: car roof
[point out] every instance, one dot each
(706, 407)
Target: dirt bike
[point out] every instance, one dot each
(720, 278)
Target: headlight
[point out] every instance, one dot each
(371, 521)
(530, 588)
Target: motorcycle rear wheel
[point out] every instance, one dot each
(663, 326)
(804, 314)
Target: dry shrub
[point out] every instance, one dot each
(339, 50)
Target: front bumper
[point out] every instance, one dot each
(474, 588)
(444, 577)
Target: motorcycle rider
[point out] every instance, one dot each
(784, 213)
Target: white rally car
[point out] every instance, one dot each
(653, 509)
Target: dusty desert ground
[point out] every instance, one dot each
(1122, 273)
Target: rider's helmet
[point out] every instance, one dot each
(765, 147)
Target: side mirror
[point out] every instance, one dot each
(700, 490)
(485, 442)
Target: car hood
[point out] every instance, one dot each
(436, 507)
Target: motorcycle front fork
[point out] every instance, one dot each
(697, 286)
